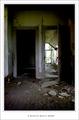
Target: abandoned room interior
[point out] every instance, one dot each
(39, 57)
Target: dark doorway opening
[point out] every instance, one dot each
(25, 52)
(66, 63)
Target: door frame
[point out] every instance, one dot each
(15, 47)
(54, 27)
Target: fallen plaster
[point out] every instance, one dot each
(49, 83)
(52, 92)
(45, 94)
(64, 94)
(39, 89)
(47, 75)
(69, 89)
(61, 97)
(19, 83)
(73, 100)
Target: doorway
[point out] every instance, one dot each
(25, 52)
(58, 56)
(51, 53)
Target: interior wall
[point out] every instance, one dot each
(6, 42)
(10, 46)
(26, 19)
(36, 18)
(71, 25)
(14, 52)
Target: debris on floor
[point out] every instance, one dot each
(56, 85)
(49, 83)
(43, 95)
(64, 94)
(19, 83)
(68, 88)
(39, 89)
(47, 75)
(52, 93)
(73, 100)
(61, 97)
(27, 92)
(64, 90)
(9, 80)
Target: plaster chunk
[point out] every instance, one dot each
(45, 94)
(50, 83)
(64, 94)
(19, 83)
(73, 100)
(52, 93)
(61, 97)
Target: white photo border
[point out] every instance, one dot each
(36, 115)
